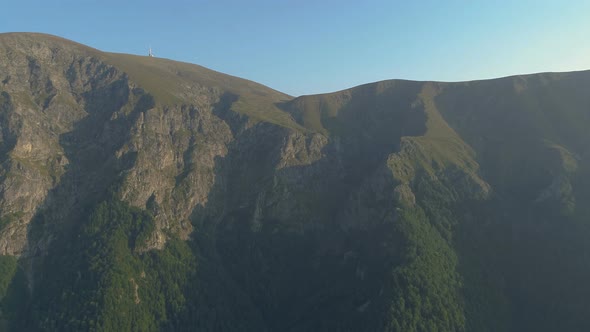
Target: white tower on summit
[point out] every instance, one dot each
(150, 54)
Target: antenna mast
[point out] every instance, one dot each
(150, 54)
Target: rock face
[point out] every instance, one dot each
(380, 207)
(74, 124)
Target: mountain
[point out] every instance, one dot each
(143, 194)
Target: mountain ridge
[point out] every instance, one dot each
(139, 193)
(40, 35)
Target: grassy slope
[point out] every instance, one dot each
(340, 114)
(525, 130)
(172, 82)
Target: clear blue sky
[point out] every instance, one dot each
(304, 47)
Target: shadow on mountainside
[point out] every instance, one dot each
(92, 169)
(279, 240)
